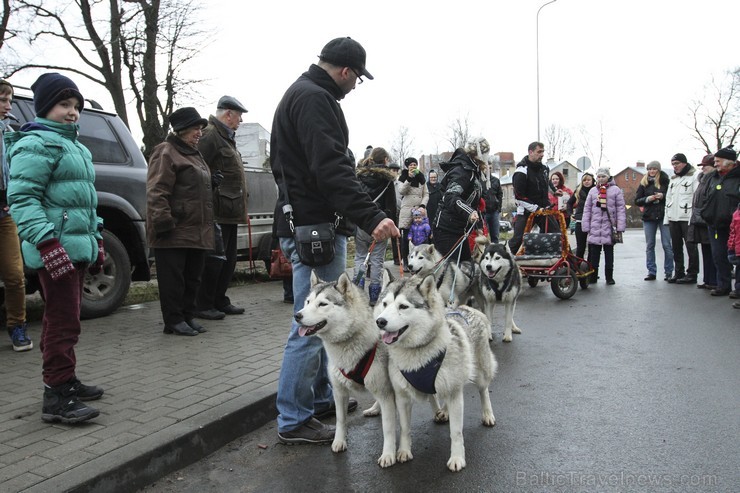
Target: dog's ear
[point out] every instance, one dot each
(508, 250)
(430, 249)
(481, 242)
(428, 286)
(411, 245)
(344, 283)
(314, 278)
(387, 278)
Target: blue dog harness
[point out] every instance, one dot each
(423, 378)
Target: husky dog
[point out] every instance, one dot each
(338, 313)
(432, 354)
(425, 259)
(500, 281)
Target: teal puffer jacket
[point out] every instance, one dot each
(52, 190)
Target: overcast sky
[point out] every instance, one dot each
(633, 66)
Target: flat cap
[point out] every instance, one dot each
(230, 103)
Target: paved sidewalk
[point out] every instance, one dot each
(168, 401)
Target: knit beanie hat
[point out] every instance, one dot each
(680, 157)
(727, 153)
(653, 165)
(604, 171)
(479, 148)
(49, 89)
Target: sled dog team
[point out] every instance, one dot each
(415, 342)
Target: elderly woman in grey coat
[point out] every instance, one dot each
(414, 194)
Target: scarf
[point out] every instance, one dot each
(602, 195)
(5, 169)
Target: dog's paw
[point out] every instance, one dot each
(507, 338)
(441, 416)
(456, 464)
(372, 411)
(404, 455)
(516, 330)
(489, 420)
(386, 460)
(339, 446)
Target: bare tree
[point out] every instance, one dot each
(558, 142)
(593, 147)
(118, 43)
(459, 132)
(401, 147)
(715, 119)
(4, 22)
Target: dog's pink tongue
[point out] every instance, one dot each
(303, 330)
(390, 337)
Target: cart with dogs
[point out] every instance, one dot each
(546, 256)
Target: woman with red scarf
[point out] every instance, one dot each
(559, 194)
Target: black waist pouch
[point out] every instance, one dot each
(315, 243)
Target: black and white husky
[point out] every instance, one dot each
(339, 313)
(460, 280)
(431, 353)
(500, 282)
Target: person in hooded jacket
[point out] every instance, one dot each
(717, 207)
(576, 203)
(493, 196)
(604, 209)
(698, 232)
(678, 205)
(650, 196)
(378, 181)
(413, 190)
(52, 200)
(462, 190)
(434, 190)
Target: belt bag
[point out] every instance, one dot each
(315, 243)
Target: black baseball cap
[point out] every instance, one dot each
(346, 52)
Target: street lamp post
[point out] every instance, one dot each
(538, 65)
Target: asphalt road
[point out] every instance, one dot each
(632, 387)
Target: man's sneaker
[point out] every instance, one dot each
(86, 392)
(21, 341)
(62, 405)
(313, 431)
(332, 410)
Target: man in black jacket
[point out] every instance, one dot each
(531, 189)
(315, 174)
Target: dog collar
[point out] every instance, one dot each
(359, 372)
(494, 285)
(423, 378)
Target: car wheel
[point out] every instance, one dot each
(104, 292)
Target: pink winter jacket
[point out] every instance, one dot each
(733, 243)
(595, 221)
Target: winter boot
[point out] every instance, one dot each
(61, 404)
(86, 392)
(374, 293)
(610, 277)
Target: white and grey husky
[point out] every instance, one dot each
(425, 259)
(500, 282)
(434, 354)
(339, 313)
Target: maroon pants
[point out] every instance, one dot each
(61, 325)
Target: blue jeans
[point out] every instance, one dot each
(650, 228)
(377, 256)
(304, 381)
(492, 220)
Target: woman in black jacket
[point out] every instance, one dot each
(575, 210)
(461, 193)
(650, 196)
(434, 187)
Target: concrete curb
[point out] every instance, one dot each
(139, 464)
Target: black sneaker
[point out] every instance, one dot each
(86, 392)
(62, 405)
(313, 431)
(332, 409)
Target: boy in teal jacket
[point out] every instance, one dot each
(52, 200)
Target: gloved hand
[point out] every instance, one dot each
(56, 261)
(98, 264)
(217, 178)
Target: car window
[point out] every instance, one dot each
(98, 136)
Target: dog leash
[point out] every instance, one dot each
(398, 249)
(459, 254)
(364, 272)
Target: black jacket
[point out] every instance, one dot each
(378, 182)
(461, 193)
(531, 185)
(576, 210)
(718, 204)
(309, 146)
(493, 196)
(655, 209)
(435, 195)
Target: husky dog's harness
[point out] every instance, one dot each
(423, 378)
(359, 372)
(493, 285)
